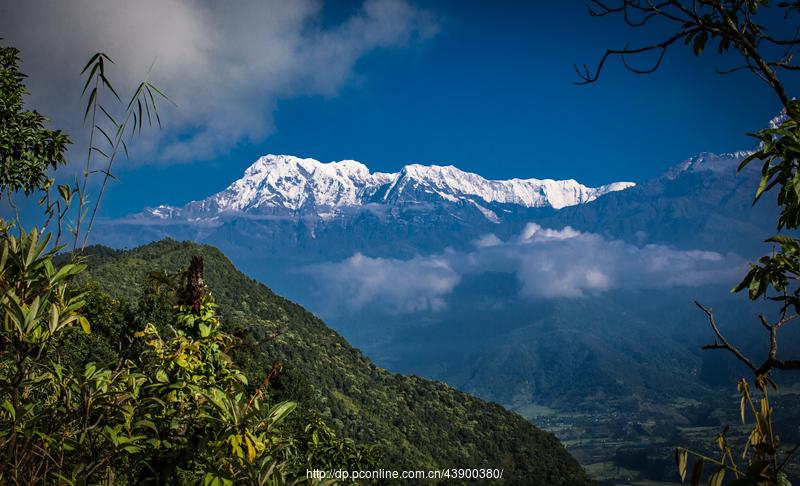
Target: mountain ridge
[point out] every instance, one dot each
(289, 185)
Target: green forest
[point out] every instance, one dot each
(394, 421)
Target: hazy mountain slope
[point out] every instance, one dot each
(421, 424)
(701, 203)
(564, 353)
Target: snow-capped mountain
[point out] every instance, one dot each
(284, 184)
(453, 184)
(286, 212)
(708, 162)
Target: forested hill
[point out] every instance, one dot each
(416, 423)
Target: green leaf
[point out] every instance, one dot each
(53, 326)
(84, 322)
(205, 330)
(65, 192)
(89, 370)
(213, 479)
(9, 408)
(147, 423)
(762, 185)
(281, 410)
(162, 377)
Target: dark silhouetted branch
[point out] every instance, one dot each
(723, 343)
(771, 362)
(732, 24)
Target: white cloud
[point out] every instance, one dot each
(597, 280)
(224, 64)
(397, 286)
(487, 240)
(534, 232)
(547, 263)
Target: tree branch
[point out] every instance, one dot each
(731, 23)
(771, 362)
(725, 344)
(587, 77)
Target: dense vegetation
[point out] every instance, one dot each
(167, 405)
(412, 423)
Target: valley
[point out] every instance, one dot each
(635, 444)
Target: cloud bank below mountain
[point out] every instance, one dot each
(547, 263)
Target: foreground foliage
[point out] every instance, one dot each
(27, 148)
(177, 411)
(159, 401)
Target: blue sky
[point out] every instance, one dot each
(485, 86)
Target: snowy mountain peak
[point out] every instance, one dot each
(453, 184)
(778, 119)
(281, 184)
(283, 164)
(724, 163)
(292, 183)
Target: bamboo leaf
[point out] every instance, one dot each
(92, 98)
(103, 132)
(108, 85)
(108, 115)
(97, 149)
(91, 61)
